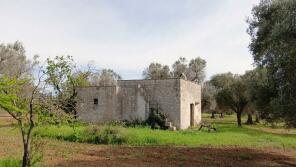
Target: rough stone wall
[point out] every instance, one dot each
(130, 104)
(132, 99)
(102, 112)
(190, 94)
(146, 94)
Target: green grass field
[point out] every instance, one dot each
(10, 163)
(256, 145)
(227, 134)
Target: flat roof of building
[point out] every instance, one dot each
(131, 80)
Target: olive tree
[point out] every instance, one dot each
(259, 93)
(272, 28)
(105, 77)
(220, 82)
(208, 98)
(196, 70)
(192, 71)
(13, 60)
(157, 71)
(180, 67)
(232, 93)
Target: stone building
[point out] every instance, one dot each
(178, 99)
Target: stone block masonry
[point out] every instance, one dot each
(178, 99)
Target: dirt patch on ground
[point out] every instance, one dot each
(6, 120)
(69, 154)
(176, 156)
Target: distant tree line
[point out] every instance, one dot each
(227, 92)
(268, 91)
(193, 71)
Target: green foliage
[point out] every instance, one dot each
(15, 163)
(10, 163)
(59, 71)
(157, 71)
(208, 97)
(156, 120)
(89, 134)
(64, 79)
(196, 70)
(227, 134)
(259, 92)
(179, 67)
(108, 135)
(18, 92)
(193, 71)
(10, 100)
(106, 77)
(133, 123)
(221, 81)
(13, 61)
(13, 99)
(232, 93)
(272, 28)
(210, 92)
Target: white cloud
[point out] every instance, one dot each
(115, 37)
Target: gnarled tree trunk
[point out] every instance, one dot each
(239, 118)
(250, 119)
(213, 114)
(257, 118)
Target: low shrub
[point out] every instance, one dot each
(73, 137)
(89, 134)
(156, 120)
(109, 135)
(135, 123)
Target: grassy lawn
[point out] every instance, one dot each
(120, 146)
(227, 134)
(10, 163)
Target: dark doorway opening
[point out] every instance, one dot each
(191, 114)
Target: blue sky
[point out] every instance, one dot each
(126, 35)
